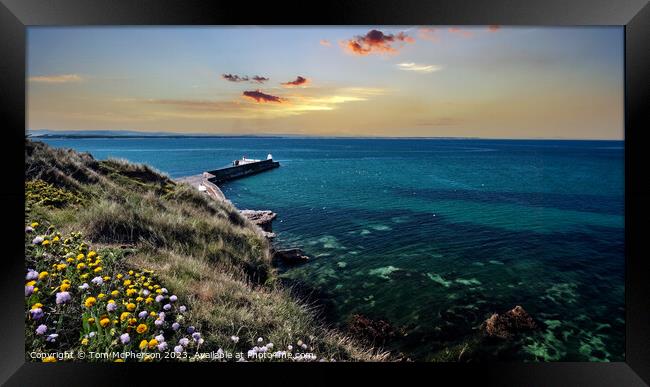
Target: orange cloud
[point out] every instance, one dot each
(461, 32)
(325, 42)
(428, 33)
(258, 96)
(376, 41)
(299, 81)
(493, 28)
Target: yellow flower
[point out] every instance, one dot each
(130, 292)
(148, 359)
(98, 269)
(146, 284)
(42, 275)
(153, 343)
(139, 299)
(159, 291)
(149, 300)
(143, 344)
(65, 286)
(107, 278)
(70, 260)
(37, 305)
(45, 242)
(30, 283)
(127, 282)
(153, 314)
(130, 272)
(49, 359)
(91, 254)
(61, 266)
(130, 307)
(141, 329)
(84, 276)
(34, 225)
(118, 360)
(132, 321)
(119, 276)
(90, 301)
(35, 290)
(115, 293)
(55, 239)
(81, 266)
(110, 301)
(101, 295)
(104, 322)
(124, 316)
(91, 320)
(84, 341)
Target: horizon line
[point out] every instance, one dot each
(138, 133)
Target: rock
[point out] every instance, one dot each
(373, 331)
(268, 235)
(290, 256)
(262, 219)
(506, 325)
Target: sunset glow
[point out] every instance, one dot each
(433, 81)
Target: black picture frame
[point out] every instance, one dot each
(16, 15)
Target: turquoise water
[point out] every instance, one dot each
(435, 235)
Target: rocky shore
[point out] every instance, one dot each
(263, 219)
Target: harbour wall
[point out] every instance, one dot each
(236, 172)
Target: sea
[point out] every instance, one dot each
(435, 235)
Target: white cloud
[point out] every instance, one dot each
(422, 68)
(62, 78)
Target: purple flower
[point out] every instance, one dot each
(29, 229)
(184, 341)
(41, 330)
(163, 290)
(160, 338)
(190, 329)
(125, 338)
(111, 307)
(145, 292)
(161, 316)
(38, 240)
(235, 339)
(62, 297)
(159, 298)
(182, 308)
(162, 346)
(178, 349)
(196, 336)
(173, 298)
(52, 338)
(167, 307)
(158, 322)
(37, 313)
(97, 281)
(29, 290)
(84, 286)
(31, 275)
(143, 314)
(176, 326)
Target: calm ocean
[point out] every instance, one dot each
(435, 235)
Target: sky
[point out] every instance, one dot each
(392, 81)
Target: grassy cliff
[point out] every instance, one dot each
(150, 236)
